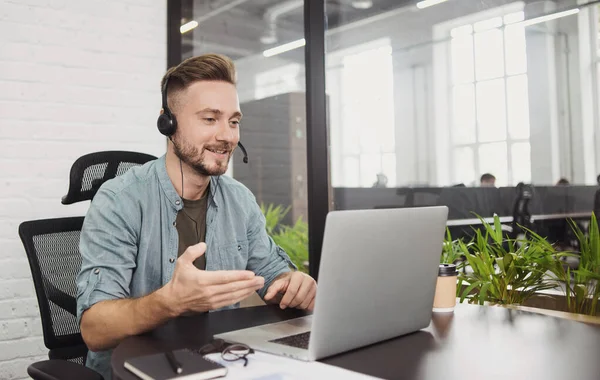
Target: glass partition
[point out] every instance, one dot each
(458, 102)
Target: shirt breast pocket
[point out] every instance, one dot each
(234, 256)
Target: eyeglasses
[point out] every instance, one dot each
(229, 352)
(237, 352)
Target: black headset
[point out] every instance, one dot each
(167, 123)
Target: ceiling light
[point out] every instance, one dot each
(268, 38)
(362, 4)
(549, 17)
(188, 26)
(429, 3)
(285, 47)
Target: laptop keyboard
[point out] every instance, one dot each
(298, 340)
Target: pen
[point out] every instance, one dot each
(173, 362)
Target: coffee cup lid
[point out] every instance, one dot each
(447, 270)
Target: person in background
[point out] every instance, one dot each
(563, 182)
(382, 180)
(488, 180)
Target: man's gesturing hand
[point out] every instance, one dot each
(196, 290)
(298, 289)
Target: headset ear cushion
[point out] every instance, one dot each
(166, 124)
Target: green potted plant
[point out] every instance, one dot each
(292, 239)
(504, 270)
(581, 285)
(451, 251)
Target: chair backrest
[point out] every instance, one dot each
(52, 248)
(597, 203)
(90, 171)
(521, 213)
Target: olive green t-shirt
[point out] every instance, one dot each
(191, 227)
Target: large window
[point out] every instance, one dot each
(360, 84)
(489, 101)
(595, 36)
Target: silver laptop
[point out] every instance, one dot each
(376, 281)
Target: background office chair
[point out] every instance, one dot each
(521, 213)
(597, 203)
(52, 248)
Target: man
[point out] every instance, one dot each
(382, 181)
(488, 180)
(174, 236)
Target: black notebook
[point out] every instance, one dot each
(157, 367)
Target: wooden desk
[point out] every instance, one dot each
(558, 314)
(474, 342)
(475, 221)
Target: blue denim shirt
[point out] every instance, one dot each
(129, 240)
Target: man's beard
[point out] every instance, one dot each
(189, 154)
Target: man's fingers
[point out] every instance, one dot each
(309, 297)
(303, 291)
(292, 290)
(231, 298)
(311, 307)
(276, 287)
(226, 276)
(233, 287)
(227, 299)
(193, 252)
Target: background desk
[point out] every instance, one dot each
(476, 342)
(509, 219)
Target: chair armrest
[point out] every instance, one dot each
(56, 369)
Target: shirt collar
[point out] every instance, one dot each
(169, 189)
(214, 188)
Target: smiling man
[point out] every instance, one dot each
(175, 236)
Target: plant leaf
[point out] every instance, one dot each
(483, 293)
(468, 290)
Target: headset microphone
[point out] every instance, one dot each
(245, 159)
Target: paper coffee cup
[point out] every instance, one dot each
(445, 290)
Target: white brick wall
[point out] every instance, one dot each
(75, 77)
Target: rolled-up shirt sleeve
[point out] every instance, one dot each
(108, 247)
(265, 258)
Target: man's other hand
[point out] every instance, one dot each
(195, 290)
(298, 289)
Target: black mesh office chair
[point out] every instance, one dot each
(89, 172)
(52, 248)
(521, 213)
(597, 203)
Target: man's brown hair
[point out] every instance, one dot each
(206, 67)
